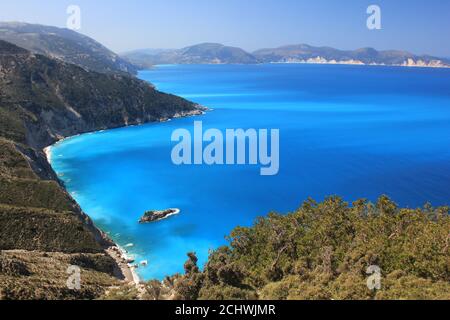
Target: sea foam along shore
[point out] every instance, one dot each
(115, 251)
(48, 154)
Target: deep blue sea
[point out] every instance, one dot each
(353, 131)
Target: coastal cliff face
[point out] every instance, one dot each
(410, 62)
(50, 99)
(43, 100)
(304, 53)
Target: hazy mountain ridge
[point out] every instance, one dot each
(215, 53)
(368, 56)
(66, 45)
(205, 53)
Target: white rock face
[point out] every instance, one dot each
(322, 60)
(408, 63)
(420, 63)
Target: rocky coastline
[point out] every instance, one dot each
(158, 215)
(125, 269)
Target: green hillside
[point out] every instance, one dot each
(322, 251)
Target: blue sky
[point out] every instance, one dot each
(419, 26)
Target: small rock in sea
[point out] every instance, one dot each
(155, 215)
(144, 263)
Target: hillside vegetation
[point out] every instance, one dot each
(43, 99)
(322, 251)
(43, 275)
(42, 229)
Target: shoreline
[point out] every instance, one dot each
(363, 64)
(48, 154)
(115, 251)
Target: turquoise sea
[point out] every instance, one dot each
(354, 131)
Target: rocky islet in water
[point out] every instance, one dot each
(158, 215)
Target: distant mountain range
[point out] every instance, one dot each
(206, 53)
(66, 45)
(212, 53)
(75, 48)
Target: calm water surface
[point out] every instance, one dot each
(354, 131)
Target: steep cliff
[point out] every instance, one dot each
(49, 99)
(42, 100)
